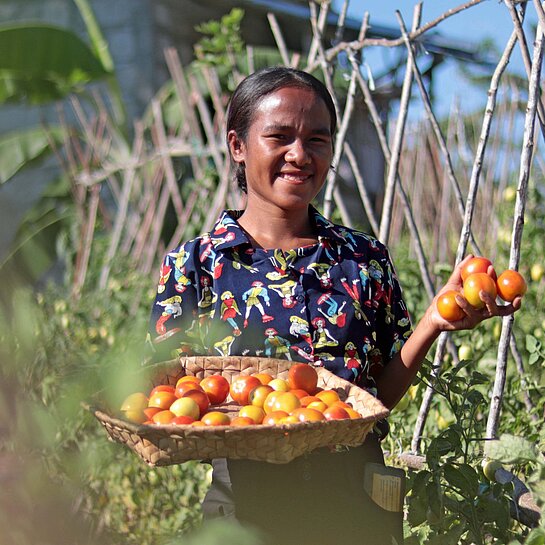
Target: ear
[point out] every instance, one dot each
(236, 147)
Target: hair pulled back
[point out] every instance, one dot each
(254, 88)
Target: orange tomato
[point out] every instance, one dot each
(188, 378)
(255, 413)
(216, 388)
(318, 405)
(476, 264)
(328, 396)
(216, 418)
(162, 388)
(336, 413)
(299, 393)
(474, 284)
(150, 411)
(303, 376)
(290, 419)
(352, 413)
(183, 387)
(241, 387)
(274, 418)
(511, 284)
(304, 414)
(200, 397)
(162, 399)
(342, 404)
(264, 378)
(136, 416)
(305, 401)
(197, 424)
(183, 420)
(242, 421)
(287, 402)
(258, 395)
(163, 417)
(448, 307)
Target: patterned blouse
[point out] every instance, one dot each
(336, 303)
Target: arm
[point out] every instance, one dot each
(398, 374)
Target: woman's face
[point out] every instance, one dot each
(288, 150)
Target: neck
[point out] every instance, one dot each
(277, 228)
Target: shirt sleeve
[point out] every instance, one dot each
(174, 324)
(393, 324)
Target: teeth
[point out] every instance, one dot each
(294, 177)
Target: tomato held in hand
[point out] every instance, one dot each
(511, 284)
(474, 284)
(477, 264)
(448, 307)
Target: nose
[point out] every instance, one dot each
(297, 153)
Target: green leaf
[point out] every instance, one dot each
(532, 344)
(463, 477)
(536, 537)
(511, 449)
(40, 63)
(20, 148)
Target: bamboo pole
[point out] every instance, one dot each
(518, 225)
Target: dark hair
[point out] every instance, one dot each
(254, 88)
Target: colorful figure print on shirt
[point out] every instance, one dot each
(311, 304)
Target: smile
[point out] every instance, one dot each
(294, 178)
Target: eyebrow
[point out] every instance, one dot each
(272, 128)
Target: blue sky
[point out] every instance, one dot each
(490, 19)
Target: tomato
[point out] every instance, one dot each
(136, 416)
(328, 396)
(474, 284)
(352, 413)
(264, 378)
(183, 387)
(304, 414)
(188, 378)
(150, 411)
(197, 424)
(303, 376)
(448, 307)
(135, 402)
(269, 401)
(241, 387)
(216, 418)
(162, 388)
(216, 388)
(163, 417)
(490, 467)
(200, 397)
(290, 419)
(274, 417)
(475, 265)
(183, 420)
(161, 399)
(242, 421)
(286, 401)
(318, 405)
(299, 393)
(185, 406)
(336, 413)
(307, 400)
(537, 271)
(279, 384)
(511, 284)
(257, 414)
(465, 352)
(258, 395)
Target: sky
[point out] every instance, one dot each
(490, 19)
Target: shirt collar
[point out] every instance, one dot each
(227, 232)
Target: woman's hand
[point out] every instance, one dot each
(473, 316)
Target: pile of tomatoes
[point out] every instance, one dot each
(478, 275)
(262, 399)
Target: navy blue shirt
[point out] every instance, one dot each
(336, 303)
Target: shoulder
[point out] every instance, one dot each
(363, 243)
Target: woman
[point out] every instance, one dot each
(280, 129)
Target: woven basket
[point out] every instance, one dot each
(160, 445)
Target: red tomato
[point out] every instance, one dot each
(162, 388)
(274, 417)
(336, 413)
(303, 376)
(474, 284)
(183, 387)
(161, 399)
(476, 265)
(183, 419)
(304, 414)
(511, 284)
(242, 421)
(448, 307)
(241, 387)
(216, 388)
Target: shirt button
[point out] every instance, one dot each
(307, 349)
(300, 298)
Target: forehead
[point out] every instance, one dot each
(292, 106)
